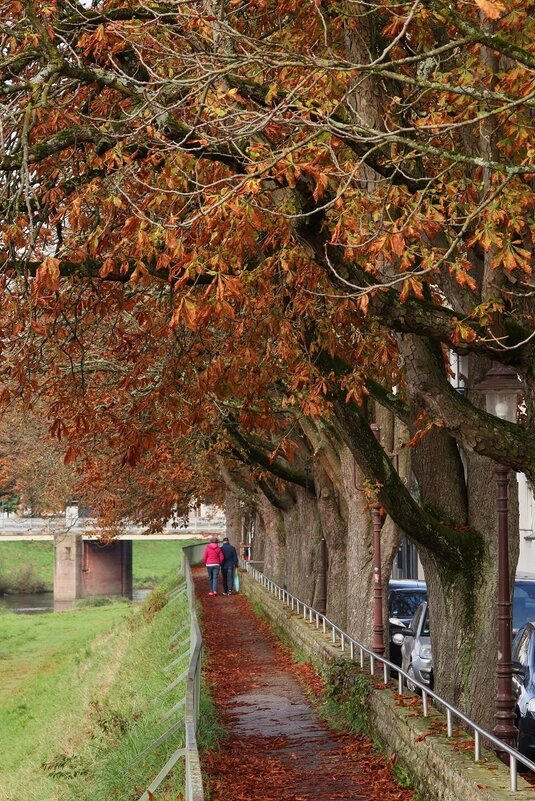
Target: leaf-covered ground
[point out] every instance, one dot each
(278, 747)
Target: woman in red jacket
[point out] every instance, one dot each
(213, 558)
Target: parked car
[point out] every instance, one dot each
(523, 601)
(404, 598)
(523, 654)
(416, 655)
(421, 659)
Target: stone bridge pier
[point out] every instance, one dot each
(85, 568)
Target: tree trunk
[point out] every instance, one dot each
(270, 540)
(463, 607)
(233, 516)
(462, 601)
(332, 511)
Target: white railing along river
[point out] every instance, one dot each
(194, 788)
(187, 709)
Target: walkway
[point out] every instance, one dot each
(278, 748)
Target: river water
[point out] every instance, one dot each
(29, 603)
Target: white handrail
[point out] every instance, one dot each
(194, 788)
(451, 712)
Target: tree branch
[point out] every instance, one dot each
(260, 457)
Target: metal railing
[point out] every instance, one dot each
(363, 653)
(194, 788)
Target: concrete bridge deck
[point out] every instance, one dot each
(39, 536)
(20, 529)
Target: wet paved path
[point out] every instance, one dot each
(278, 748)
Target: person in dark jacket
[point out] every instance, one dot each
(229, 564)
(213, 558)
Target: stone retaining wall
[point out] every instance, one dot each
(441, 769)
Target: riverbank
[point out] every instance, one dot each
(83, 694)
(28, 567)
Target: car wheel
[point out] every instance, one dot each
(411, 686)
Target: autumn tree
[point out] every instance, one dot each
(267, 215)
(32, 467)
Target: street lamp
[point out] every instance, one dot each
(378, 627)
(321, 600)
(501, 387)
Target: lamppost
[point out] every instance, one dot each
(501, 387)
(378, 627)
(321, 601)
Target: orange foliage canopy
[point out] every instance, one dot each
(214, 223)
(32, 464)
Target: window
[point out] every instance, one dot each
(521, 646)
(523, 603)
(404, 603)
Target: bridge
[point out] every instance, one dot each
(85, 566)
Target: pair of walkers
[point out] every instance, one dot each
(222, 557)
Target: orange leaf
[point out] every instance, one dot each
(38, 327)
(490, 8)
(47, 276)
(321, 185)
(70, 455)
(397, 244)
(185, 312)
(363, 303)
(108, 266)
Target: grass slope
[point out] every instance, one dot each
(84, 695)
(152, 560)
(26, 566)
(44, 685)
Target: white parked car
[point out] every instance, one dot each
(416, 654)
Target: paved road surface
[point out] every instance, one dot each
(278, 748)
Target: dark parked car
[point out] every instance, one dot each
(523, 601)
(523, 611)
(404, 598)
(524, 688)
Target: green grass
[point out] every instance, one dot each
(345, 705)
(26, 566)
(83, 695)
(29, 566)
(152, 560)
(46, 680)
